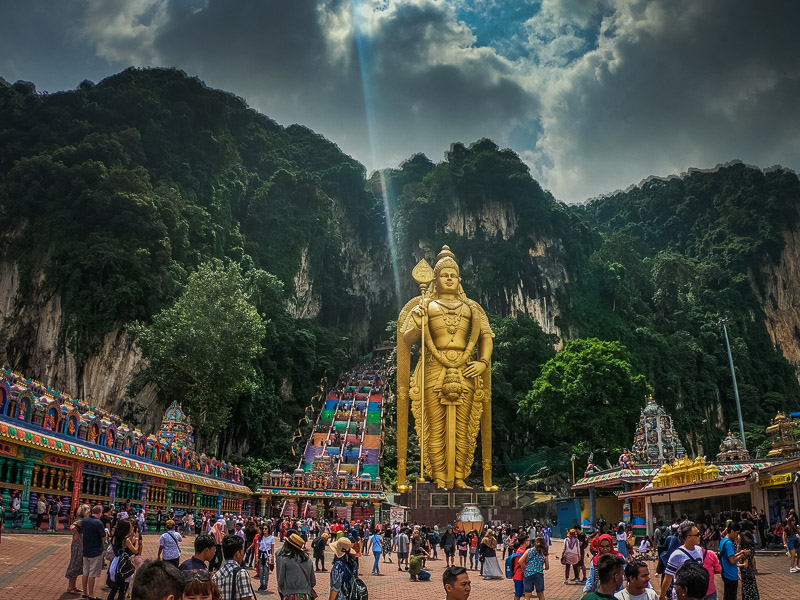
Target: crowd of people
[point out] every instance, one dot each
(688, 555)
(233, 554)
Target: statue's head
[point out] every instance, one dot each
(446, 272)
(445, 259)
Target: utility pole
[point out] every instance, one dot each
(724, 323)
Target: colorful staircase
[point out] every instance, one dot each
(349, 426)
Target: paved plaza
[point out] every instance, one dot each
(32, 565)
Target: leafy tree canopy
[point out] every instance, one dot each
(200, 351)
(588, 391)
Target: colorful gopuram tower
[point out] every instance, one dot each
(656, 441)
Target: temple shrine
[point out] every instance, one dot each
(784, 439)
(57, 446)
(655, 442)
(176, 428)
(657, 481)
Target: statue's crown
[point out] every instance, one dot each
(444, 259)
(445, 253)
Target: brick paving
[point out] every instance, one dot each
(33, 565)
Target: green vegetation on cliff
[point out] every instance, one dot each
(120, 197)
(117, 192)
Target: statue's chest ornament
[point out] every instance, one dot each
(451, 314)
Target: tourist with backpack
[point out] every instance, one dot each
(433, 543)
(514, 570)
(690, 549)
(233, 581)
(345, 582)
(53, 511)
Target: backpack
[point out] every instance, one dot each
(662, 540)
(510, 565)
(353, 587)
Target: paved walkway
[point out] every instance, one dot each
(33, 565)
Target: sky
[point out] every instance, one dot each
(594, 95)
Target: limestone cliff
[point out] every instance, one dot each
(538, 271)
(780, 297)
(30, 321)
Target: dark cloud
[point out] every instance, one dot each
(596, 95)
(675, 85)
(384, 83)
(41, 41)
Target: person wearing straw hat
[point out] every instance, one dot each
(345, 567)
(295, 574)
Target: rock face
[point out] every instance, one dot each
(30, 322)
(781, 299)
(540, 274)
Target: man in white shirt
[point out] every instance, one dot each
(169, 545)
(689, 534)
(41, 507)
(638, 587)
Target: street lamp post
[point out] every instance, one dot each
(516, 494)
(724, 323)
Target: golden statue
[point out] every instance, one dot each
(451, 388)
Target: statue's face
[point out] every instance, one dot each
(447, 280)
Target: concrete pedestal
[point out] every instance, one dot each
(428, 504)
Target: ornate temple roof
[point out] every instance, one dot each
(176, 428)
(656, 441)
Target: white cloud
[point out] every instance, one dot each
(125, 30)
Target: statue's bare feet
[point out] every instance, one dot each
(440, 484)
(460, 484)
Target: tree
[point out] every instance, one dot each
(588, 391)
(521, 348)
(200, 351)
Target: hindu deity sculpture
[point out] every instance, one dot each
(50, 420)
(176, 428)
(450, 387)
